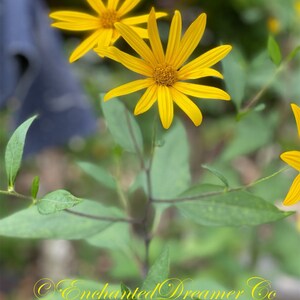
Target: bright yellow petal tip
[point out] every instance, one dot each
(293, 196)
(296, 111)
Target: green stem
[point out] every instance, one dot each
(259, 94)
(15, 194)
(214, 193)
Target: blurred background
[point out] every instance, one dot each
(243, 149)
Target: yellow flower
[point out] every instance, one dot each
(102, 25)
(292, 158)
(165, 71)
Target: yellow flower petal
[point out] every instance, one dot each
(136, 42)
(201, 91)
(292, 158)
(72, 16)
(141, 19)
(112, 4)
(127, 6)
(198, 73)
(165, 105)
(79, 26)
(106, 52)
(188, 106)
(97, 5)
(105, 38)
(128, 88)
(174, 37)
(207, 59)
(293, 195)
(296, 111)
(85, 46)
(189, 41)
(142, 32)
(131, 62)
(154, 37)
(147, 100)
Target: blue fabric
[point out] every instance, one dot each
(35, 77)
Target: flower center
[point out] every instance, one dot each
(165, 75)
(109, 18)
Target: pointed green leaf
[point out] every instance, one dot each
(56, 201)
(235, 208)
(29, 223)
(122, 125)
(293, 53)
(35, 187)
(99, 174)
(14, 152)
(170, 172)
(218, 174)
(274, 51)
(159, 271)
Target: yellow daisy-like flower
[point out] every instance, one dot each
(165, 71)
(102, 25)
(292, 158)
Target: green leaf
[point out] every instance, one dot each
(236, 208)
(217, 173)
(14, 152)
(274, 51)
(35, 187)
(29, 223)
(293, 53)
(99, 174)
(126, 291)
(235, 76)
(116, 237)
(57, 201)
(170, 172)
(122, 125)
(159, 271)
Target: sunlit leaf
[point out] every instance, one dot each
(35, 187)
(14, 151)
(274, 51)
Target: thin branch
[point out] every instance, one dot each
(102, 218)
(214, 193)
(15, 194)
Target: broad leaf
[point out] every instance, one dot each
(29, 223)
(159, 271)
(99, 174)
(56, 201)
(236, 208)
(170, 173)
(122, 125)
(116, 237)
(14, 151)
